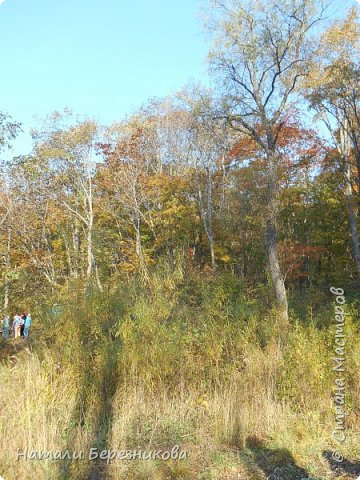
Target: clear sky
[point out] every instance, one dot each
(103, 58)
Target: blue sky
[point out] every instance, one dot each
(103, 58)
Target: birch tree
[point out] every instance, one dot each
(69, 155)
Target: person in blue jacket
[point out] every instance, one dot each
(27, 325)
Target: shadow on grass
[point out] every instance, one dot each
(344, 467)
(272, 464)
(105, 380)
(108, 386)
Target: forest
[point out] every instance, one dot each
(185, 267)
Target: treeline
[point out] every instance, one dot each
(259, 176)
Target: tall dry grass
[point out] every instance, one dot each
(189, 361)
(37, 406)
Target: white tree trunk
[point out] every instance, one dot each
(7, 268)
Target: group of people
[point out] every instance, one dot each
(20, 325)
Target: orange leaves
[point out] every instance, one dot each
(294, 256)
(244, 148)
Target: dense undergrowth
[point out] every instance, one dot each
(186, 359)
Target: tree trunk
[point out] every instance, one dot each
(353, 230)
(212, 254)
(7, 268)
(271, 244)
(206, 215)
(91, 263)
(98, 281)
(345, 150)
(209, 222)
(90, 259)
(76, 244)
(89, 233)
(275, 271)
(357, 157)
(68, 255)
(138, 246)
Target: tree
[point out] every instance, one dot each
(8, 132)
(128, 162)
(262, 50)
(196, 146)
(334, 93)
(67, 154)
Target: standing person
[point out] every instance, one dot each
(5, 327)
(22, 321)
(16, 326)
(23, 317)
(28, 322)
